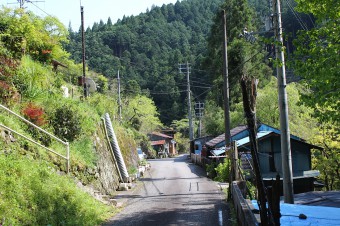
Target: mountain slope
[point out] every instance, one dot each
(148, 48)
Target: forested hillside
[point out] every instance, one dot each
(148, 48)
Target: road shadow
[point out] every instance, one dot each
(217, 215)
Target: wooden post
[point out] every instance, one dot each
(276, 201)
(235, 160)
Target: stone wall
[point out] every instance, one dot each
(107, 173)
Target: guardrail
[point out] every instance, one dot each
(67, 157)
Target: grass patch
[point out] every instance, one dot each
(32, 193)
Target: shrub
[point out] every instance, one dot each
(66, 123)
(223, 171)
(7, 70)
(34, 114)
(210, 168)
(102, 83)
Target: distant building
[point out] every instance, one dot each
(163, 144)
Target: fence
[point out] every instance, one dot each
(245, 216)
(67, 146)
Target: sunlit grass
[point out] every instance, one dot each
(32, 193)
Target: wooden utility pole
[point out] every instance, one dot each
(286, 154)
(226, 84)
(235, 161)
(119, 100)
(83, 50)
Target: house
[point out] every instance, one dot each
(163, 144)
(196, 145)
(235, 133)
(269, 146)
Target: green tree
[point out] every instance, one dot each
(141, 113)
(316, 59)
(25, 33)
(327, 160)
(301, 122)
(243, 58)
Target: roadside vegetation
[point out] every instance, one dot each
(32, 193)
(34, 187)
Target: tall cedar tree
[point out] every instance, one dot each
(244, 58)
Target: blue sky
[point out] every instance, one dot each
(94, 10)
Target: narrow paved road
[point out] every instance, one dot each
(175, 192)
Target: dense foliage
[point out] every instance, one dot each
(148, 48)
(317, 59)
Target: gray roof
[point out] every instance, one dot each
(220, 138)
(319, 198)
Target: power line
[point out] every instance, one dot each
(297, 16)
(40, 8)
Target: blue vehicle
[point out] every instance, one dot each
(141, 154)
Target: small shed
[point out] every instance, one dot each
(269, 146)
(163, 143)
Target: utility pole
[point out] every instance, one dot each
(119, 100)
(226, 83)
(83, 50)
(199, 107)
(181, 67)
(22, 2)
(286, 154)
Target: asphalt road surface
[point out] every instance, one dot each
(174, 192)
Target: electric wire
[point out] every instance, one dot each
(297, 16)
(39, 8)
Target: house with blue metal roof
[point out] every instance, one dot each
(269, 146)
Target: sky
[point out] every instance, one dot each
(94, 10)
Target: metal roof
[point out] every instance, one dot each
(245, 140)
(221, 137)
(161, 135)
(240, 133)
(264, 134)
(157, 142)
(318, 198)
(316, 215)
(296, 174)
(218, 152)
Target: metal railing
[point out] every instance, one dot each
(67, 146)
